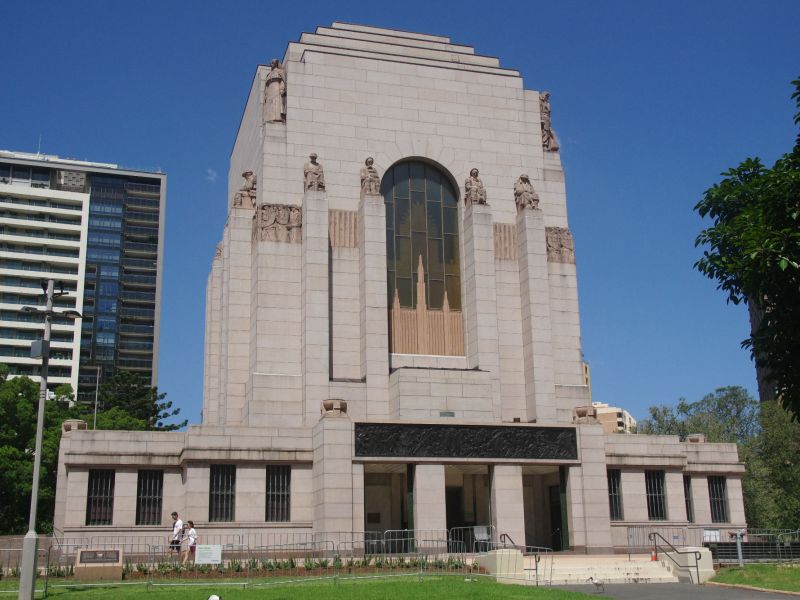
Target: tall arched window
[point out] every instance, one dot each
(422, 239)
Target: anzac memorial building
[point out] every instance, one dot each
(392, 330)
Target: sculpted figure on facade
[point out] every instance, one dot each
(278, 223)
(246, 196)
(313, 175)
(275, 93)
(370, 180)
(560, 245)
(524, 194)
(474, 192)
(548, 137)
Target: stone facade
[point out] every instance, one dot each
(299, 317)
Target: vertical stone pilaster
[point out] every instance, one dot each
(508, 507)
(374, 310)
(430, 509)
(212, 357)
(536, 328)
(597, 521)
(315, 313)
(251, 486)
(334, 475)
(481, 337)
(236, 313)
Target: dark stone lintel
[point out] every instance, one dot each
(396, 440)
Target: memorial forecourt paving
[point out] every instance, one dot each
(431, 588)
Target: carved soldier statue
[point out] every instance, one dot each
(474, 192)
(246, 196)
(548, 137)
(524, 194)
(275, 93)
(313, 175)
(370, 180)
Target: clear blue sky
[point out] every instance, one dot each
(651, 101)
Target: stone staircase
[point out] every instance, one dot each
(576, 569)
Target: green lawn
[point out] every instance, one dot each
(431, 588)
(776, 577)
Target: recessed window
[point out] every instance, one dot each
(100, 497)
(656, 498)
(279, 480)
(222, 493)
(717, 494)
(149, 496)
(615, 494)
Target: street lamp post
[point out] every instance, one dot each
(27, 581)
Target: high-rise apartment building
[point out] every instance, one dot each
(99, 229)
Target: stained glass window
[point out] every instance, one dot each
(421, 221)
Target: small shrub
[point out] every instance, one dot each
(337, 562)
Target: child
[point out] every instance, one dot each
(191, 536)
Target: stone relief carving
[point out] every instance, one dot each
(548, 137)
(560, 245)
(370, 180)
(275, 93)
(278, 223)
(584, 414)
(246, 196)
(313, 176)
(218, 251)
(343, 228)
(474, 192)
(505, 241)
(460, 441)
(524, 194)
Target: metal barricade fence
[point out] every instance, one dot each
(475, 538)
(11, 569)
(281, 563)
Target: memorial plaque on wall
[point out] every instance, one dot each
(396, 440)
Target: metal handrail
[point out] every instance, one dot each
(697, 555)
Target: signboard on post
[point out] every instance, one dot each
(208, 554)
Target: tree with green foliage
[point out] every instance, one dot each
(133, 396)
(768, 441)
(19, 403)
(130, 405)
(753, 252)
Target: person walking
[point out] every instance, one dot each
(191, 536)
(177, 534)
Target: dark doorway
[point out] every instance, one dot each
(454, 501)
(555, 518)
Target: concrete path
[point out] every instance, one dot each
(670, 591)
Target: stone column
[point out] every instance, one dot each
(735, 501)
(701, 502)
(536, 333)
(481, 296)
(508, 506)
(198, 480)
(333, 474)
(430, 508)
(676, 500)
(634, 500)
(315, 315)
(251, 486)
(125, 482)
(374, 315)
